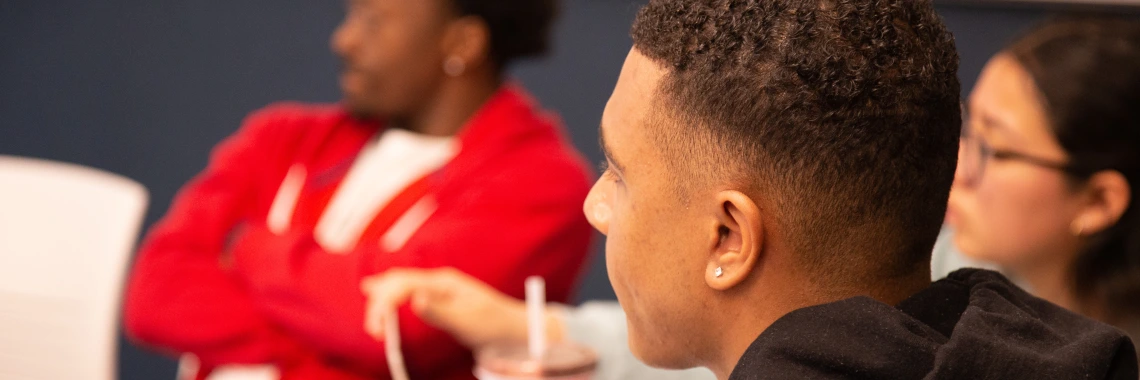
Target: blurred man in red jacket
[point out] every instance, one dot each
(431, 160)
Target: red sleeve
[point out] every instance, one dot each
(179, 296)
(520, 222)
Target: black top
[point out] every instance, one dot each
(974, 324)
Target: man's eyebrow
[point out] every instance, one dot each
(606, 151)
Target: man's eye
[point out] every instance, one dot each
(607, 171)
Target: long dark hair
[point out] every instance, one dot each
(1087, 72)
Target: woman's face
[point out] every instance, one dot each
(1014, 212)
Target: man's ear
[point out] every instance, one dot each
(739, 236)
(468, 40)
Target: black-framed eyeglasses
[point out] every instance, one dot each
(976, 154)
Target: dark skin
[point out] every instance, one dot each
(394, 53)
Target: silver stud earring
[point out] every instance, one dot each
(718, 272)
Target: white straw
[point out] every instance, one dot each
(392, 346)
(535, 316)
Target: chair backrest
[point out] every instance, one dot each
(66, 234)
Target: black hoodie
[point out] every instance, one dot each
(974, 324)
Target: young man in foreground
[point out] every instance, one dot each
(778, 172)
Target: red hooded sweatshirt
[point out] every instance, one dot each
(236, 274)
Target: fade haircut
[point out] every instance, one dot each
(842, 116)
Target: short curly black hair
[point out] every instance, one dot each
(844, 114)
(519, 28)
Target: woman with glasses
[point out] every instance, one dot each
(1049, 170)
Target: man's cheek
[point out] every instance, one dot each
(620, 257)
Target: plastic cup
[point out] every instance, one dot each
(514, 362)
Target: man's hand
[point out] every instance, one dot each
(475, 313)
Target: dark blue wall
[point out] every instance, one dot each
(146, 88)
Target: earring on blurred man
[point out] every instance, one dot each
(454, 66)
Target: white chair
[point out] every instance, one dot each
(66, 234)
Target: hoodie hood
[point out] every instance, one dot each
(974, 324)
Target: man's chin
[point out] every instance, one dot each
(638, 350)
(966, 247)
(363, 115)
(359, 111)
(655, 355)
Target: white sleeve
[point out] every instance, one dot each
(600, 325)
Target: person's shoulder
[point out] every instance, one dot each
(552, 166)
(1004, 322)
(533, 179)
(278, 129)
(515, 141)
(844, 339)
(995, 300)
(293, 115)
(539, 174)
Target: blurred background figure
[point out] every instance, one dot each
(433, 158)
(1049, 170)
